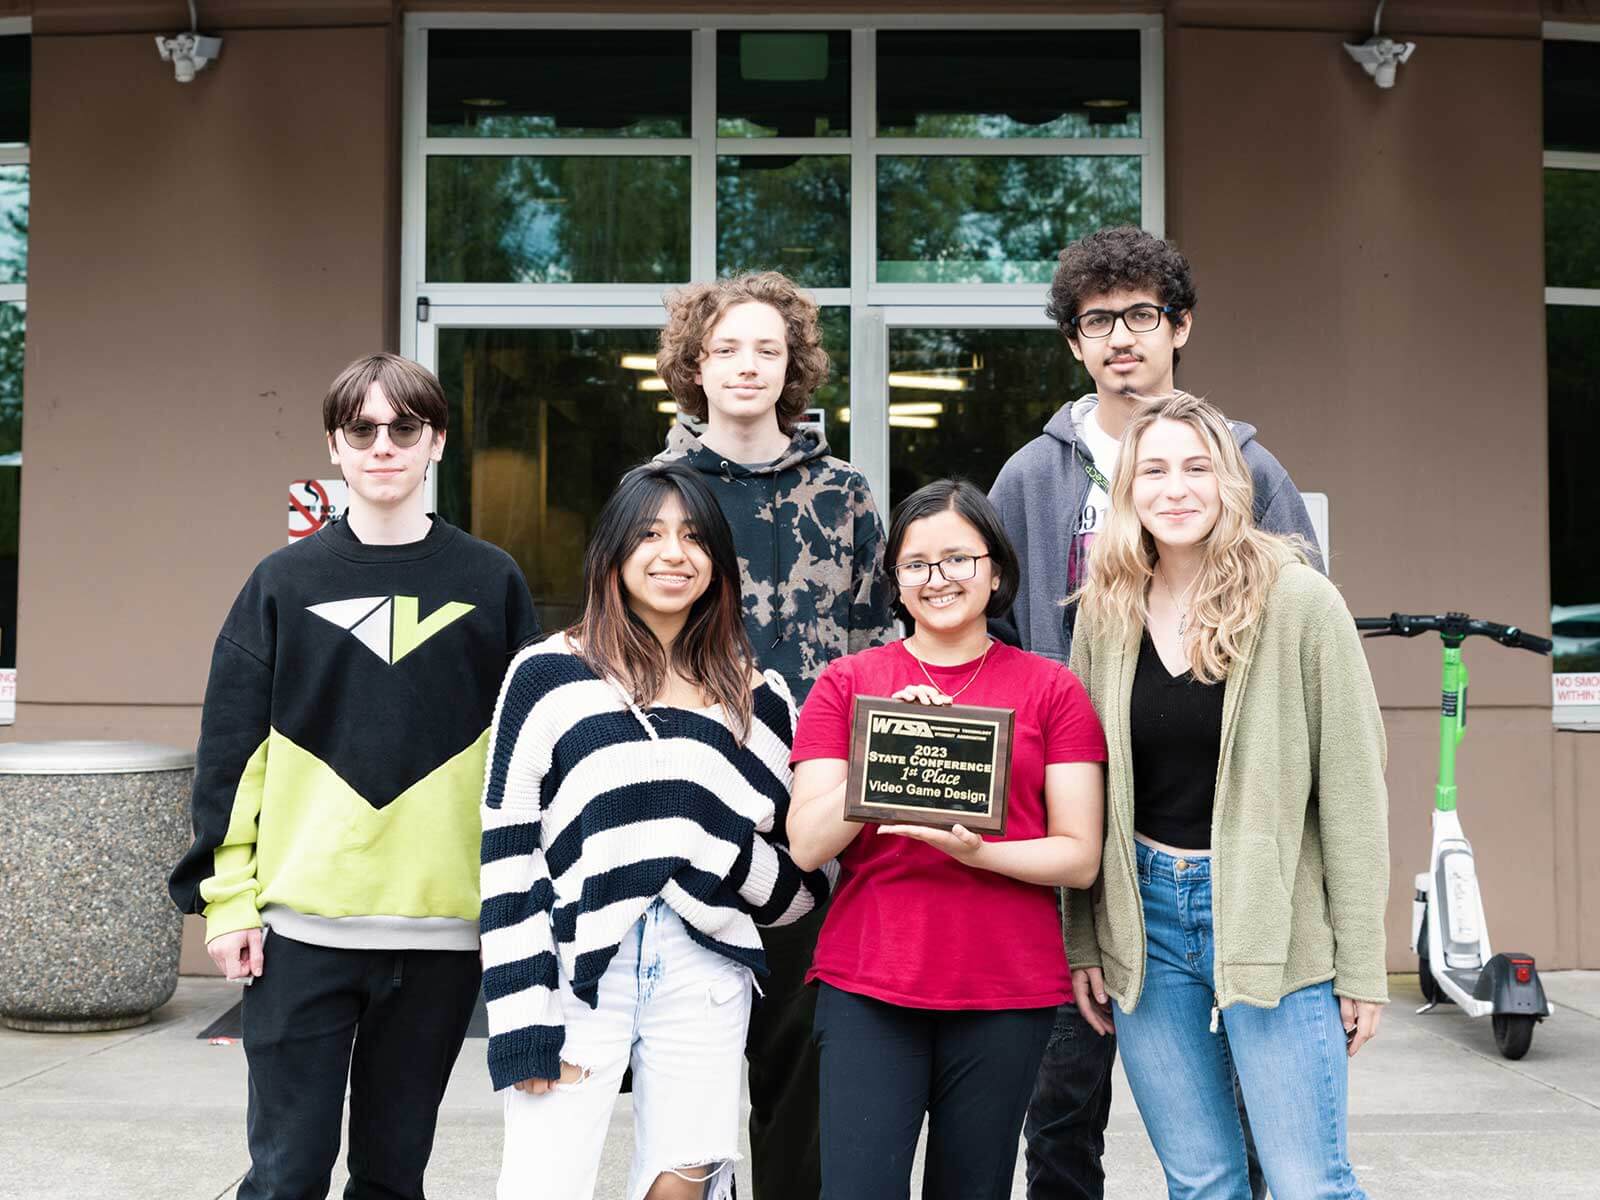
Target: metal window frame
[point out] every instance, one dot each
(874, 307)
(703, 146)
(14, 156)
(1578, 717)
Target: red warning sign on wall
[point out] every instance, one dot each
(313, 503)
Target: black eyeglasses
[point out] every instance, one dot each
(953, 568)
(403, 431)
(1139, 318)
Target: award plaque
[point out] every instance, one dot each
(920, 764)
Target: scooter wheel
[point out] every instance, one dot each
(1513, 1033)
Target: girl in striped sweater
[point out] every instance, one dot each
(633, 840)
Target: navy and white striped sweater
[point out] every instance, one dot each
(593, 808)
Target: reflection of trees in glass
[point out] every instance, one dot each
(481, 123)
(543, 422)
(558, 219)
(998, 219)
(785, 214)
(1572, 228)
(1124, 123)
(1015, 379)
(13, 324)
(13, 328)
(13, 224)
(833, 397)
(1573, 342)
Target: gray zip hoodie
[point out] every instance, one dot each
(1040, 493)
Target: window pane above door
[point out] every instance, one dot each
(557, 83)
(1008, 83)
(783, 213)
(558, 219)
(995, 218)
(773, 83)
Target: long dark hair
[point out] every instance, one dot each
(712, 651)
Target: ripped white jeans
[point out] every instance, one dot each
(678, 1012)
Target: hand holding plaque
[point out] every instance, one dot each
(918, 764)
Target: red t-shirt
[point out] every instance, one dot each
(909, 925)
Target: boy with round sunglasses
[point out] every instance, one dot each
(341, 761)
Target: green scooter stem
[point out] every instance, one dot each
(1452, 722)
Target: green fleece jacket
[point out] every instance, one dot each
(1299, 827)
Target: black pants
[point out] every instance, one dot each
(391, 1022)
(884, 1066)
(785, 1161)
(1066, 1125)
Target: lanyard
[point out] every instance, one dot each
(1096, 476)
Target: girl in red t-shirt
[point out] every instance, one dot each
(941, 961)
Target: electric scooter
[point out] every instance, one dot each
(1448, 931)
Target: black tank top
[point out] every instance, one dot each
(1175, 726)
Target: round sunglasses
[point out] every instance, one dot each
(404, 432)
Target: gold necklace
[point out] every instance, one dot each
(987, 647)
(1183, 613)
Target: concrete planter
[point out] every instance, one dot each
(88, 833)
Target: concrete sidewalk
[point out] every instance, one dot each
(153, 1114)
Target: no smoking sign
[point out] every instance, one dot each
(313, 503)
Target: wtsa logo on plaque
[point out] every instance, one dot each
(901, 727)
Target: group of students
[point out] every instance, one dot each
(660, 877)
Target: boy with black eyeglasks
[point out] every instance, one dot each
(340, 766)
(1124, 300)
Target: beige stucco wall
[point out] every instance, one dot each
(1370, 268)
(204, 259)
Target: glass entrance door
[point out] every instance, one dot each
(966, 388)
(546, 412)
(548, 407)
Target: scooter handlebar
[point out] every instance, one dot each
(1452, 624)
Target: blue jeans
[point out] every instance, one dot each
(1290, 1060)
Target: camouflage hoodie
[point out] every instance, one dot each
(811, 548)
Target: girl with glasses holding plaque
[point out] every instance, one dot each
(1239, 919)
(940, 962)
(633, 840)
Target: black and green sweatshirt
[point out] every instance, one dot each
(342, 742)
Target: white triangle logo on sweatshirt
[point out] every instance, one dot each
(388, 625)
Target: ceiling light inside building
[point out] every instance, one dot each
(654, 384)
(913, 422)
(484, 102)
(667, 407)
(639, 362)
(1106, 102)
(917, 408)
(926, 381)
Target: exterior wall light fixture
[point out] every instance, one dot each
(188, 52)
(1380, 57)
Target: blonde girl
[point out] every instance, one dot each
(1239, 920)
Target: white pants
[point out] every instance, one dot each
(679, 1013)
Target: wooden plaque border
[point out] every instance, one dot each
(858, 808)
